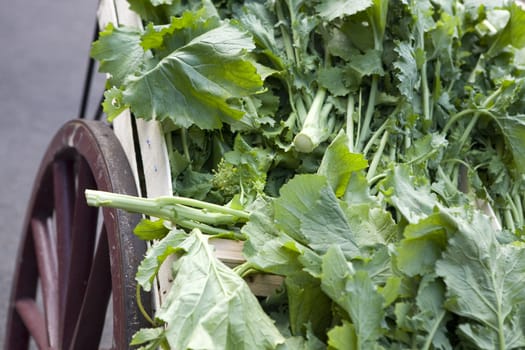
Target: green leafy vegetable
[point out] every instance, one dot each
(369, 152)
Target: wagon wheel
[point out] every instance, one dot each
(72, 257)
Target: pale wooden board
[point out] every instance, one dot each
(122, 125)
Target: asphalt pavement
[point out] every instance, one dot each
(44, 49)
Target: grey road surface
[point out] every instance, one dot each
(44, 48)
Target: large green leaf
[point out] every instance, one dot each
(423, 244)
(156, 255)
(355, 292)
(485, 282)
(342, 337)
(414, 201)
(339, 163)
(308, 305)
(266, 247)
(432, 316)
(309, 212)
(513, 128)
(514, 32)
(119, 52)
(196, 83)
(210, 307)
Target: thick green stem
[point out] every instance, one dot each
(468, 130)
(170, 208)
(244, 269)
(207, 229)
(433, 331)
(480, 111)
(300, 109)
(359, 117)
(365, 129)
(519, 208)
(460, 115)
(185, 149)
(500, 317)
(350, 122)
(374, 137)
(425, 93)
(450, 185)
(141, 308)
(288, 46)
(377, 157)
(509, 220)
(516, 215)
(312, 132)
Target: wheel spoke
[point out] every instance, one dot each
(63, 192)
(82, 247)
(90, 322)
(47, 268)
(33, 320)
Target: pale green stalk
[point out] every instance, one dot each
(377, 157)
(170, 208)
(365, 130)
(432, 333)
(350, 122)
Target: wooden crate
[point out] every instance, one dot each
(156, 169)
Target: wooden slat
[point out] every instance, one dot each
(155, 160)
(228, 251)
(157, 176)
(123, 124)
(106, 13)
(264, 285)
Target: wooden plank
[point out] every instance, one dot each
(228, 251)
(106, 13)
(123, 124)
(157, 176)
(155, 159)
(264, 285)
(125, 16)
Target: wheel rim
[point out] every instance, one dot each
(78, 263)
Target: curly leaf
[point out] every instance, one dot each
(355, 292)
